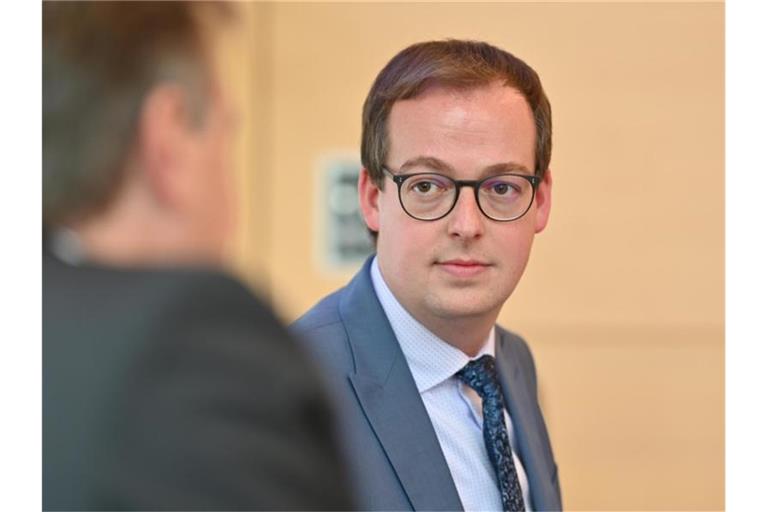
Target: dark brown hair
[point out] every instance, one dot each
(100, 59)
(451, 63)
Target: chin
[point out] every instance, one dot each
(464, 306)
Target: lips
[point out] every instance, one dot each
(463, 268)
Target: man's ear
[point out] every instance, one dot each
(543, 201)
(163, 142)
(368, 194)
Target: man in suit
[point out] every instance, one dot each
(166, 384)
(440, 404)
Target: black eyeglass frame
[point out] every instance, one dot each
(399, 179)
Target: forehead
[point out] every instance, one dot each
(469, 128)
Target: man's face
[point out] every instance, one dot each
(464, 265)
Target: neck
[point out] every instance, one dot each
(132, 245)
(467, 334)
(131, 235)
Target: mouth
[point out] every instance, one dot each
(463, 268)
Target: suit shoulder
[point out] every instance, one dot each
(205, 294)
(323, 333)
(517, 346)
(211, 290)
(515, 341)
(152, 308)
(198, 284)
(325, 312)
(212, 307)
(103, 286)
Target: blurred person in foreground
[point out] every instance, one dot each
(440, 403)
(166, 384)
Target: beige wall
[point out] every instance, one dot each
(622, 301)
(244, 52)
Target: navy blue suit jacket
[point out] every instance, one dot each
(393, 451)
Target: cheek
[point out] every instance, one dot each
(410, 253)
(516, 248)
(387, 216)
(403, 240)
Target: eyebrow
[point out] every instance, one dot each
(436, 164)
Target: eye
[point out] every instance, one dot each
(501, 188)
(423, 186)
(428, 185)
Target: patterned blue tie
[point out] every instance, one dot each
(480, 375)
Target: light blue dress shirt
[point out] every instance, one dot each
(454, 408)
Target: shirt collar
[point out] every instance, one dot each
(430, 359)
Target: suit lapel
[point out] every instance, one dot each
(528, 425)
(391, 402)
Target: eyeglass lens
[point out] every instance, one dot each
(431, 196)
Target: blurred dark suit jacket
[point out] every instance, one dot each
(173, 389)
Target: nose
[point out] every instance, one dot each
(466, 220)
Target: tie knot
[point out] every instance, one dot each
(480, 375)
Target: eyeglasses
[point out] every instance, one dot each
(431, 196)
